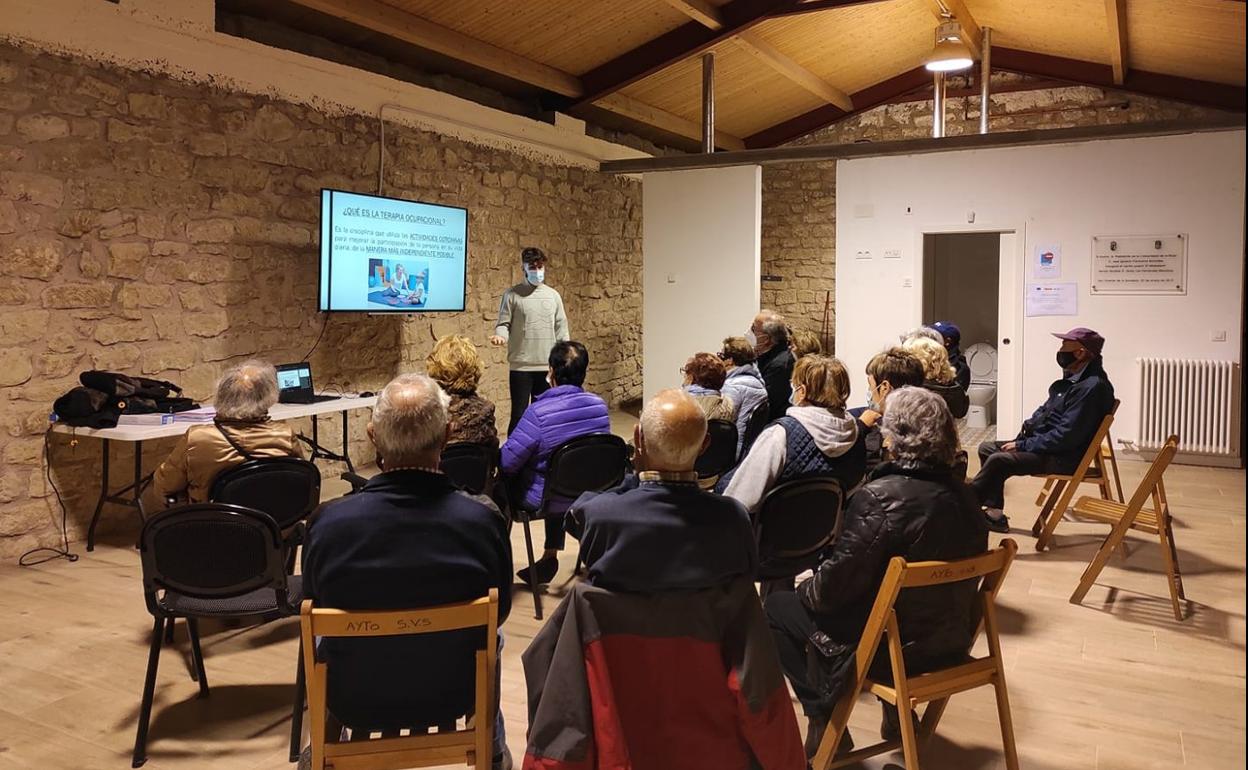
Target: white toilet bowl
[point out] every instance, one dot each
(982, 359)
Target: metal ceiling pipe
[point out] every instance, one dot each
(708, 102)
(938, 105)
(985, 78)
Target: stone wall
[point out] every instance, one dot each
(157, 227)
(799, 200)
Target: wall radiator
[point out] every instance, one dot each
(1198, 400)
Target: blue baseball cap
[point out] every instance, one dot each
(948, 330)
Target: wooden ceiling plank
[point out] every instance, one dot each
(811, 6)
(708, 15)
(622, 104)
(1116, 16)
(410, 28)
(765, 52)
(674, 46)
(959, 11)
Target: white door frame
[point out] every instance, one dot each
(1009, 313)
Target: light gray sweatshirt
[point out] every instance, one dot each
(532, 320)
(834, 433)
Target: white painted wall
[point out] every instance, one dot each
(701, 239)
(1058, 193)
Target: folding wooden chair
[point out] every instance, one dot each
(1090, 469)
(935, 687)
(472, 746)
(1107, 460)
(1125, 516)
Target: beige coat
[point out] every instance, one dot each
(203, 452)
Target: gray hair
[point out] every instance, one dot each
(774, 327)
(246, 391)
(919, 428)
(923, 331)
(410, 418)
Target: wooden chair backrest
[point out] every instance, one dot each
(1092, 455)
(1152, 483)
(991, 567)
(416, 749)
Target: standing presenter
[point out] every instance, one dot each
(530, 321)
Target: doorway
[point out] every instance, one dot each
(961, 283)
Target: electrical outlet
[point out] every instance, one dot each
(1218, 335)
(907, 283)
(892, 253)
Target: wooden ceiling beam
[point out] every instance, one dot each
(708, 15)
(821, 117)
(958, 10)
(1201, 92)
(633, 109)
(811, 6)
(1116, 16)
(409, 28)
(674, 46)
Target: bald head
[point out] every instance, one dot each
(673, 429)
(409, 424)
(246, 391)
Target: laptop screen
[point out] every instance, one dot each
(294, 377)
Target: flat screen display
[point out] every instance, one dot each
(383, 255)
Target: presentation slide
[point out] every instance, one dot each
(385, 254)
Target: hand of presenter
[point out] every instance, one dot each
(497, 341)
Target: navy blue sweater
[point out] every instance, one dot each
(1067, 420)
(407, 539)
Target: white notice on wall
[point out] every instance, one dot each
(1048, 262)
(1052, 299)
(1139, 264)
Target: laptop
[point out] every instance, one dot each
(294, 385)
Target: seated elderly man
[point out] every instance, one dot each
(770, 338)
(660, 532)
(1055, 437)
(887, 371)
(560, 414)
(408, 539)
(913, 507)
(241, 432)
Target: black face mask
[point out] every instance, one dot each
(1066, 359)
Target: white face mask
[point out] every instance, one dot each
(793, 399)
(535, 277)
(751, 338)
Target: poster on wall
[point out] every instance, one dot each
(1139, 264)
(1052, 299)
(1048, 262)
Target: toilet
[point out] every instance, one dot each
(982, 359)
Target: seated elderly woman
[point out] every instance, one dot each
(704, 377)
(912, 507)
(241, 431)
(938, 375)
(803, 342)
(815, 437)
(743, 383)
(454, 364)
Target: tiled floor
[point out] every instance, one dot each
(1115, 684)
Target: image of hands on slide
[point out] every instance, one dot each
(394, 284)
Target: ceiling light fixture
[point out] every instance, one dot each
(951, 53)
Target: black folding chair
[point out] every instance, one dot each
(754, 426)
(286, 488)
(721, 453)
(212, 560)
(591, 463)
(470, 466)
(795, 522)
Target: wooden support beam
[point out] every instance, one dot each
(410, 28)
(820, 117)
(629, 107)
(1202, 92)
(750, 42)
(826, 152)
(674, 46)
(1116, 16)
(811, 6)
(957, 8)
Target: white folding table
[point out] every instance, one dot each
(137, 434)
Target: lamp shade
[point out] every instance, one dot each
(949, 55)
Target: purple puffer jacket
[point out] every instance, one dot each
(557, 415)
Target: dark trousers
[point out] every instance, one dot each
(995, 466)
(525, 386)
(791, 625)
(556, 536)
